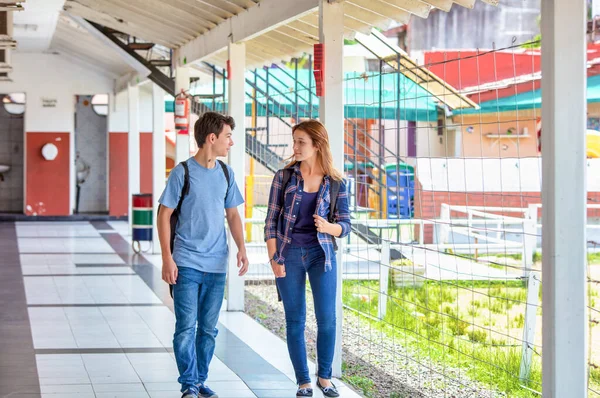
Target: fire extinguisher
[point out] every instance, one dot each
(182, 113)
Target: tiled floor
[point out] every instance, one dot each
(79, 318)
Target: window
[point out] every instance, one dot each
(100, 104)
(14, 103)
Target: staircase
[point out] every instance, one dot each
(302, 106)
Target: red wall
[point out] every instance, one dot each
(428, 203)
(118, 170)
(146, 163)
(47, 182)
(118, 177)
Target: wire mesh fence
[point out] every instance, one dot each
(442, 272)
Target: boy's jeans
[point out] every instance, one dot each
(196, 301)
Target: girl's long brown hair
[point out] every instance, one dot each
(320, 139)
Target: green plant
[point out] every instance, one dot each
(497, 306)
(365, 384)
(457, 327)
(404, 262)
(262, 316)
(478, 336)
(519, 321)
(473, 311)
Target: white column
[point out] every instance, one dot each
(182, 144)
(237, 161)
(133, 148)
(331, 113)
(564, 198)
(158, 157)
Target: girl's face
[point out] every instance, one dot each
(303, 146)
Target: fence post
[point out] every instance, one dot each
(529, 238)
(444, 226)
(533, 294)
(384, 276)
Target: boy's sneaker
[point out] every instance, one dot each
(190, 393)
(205, 392)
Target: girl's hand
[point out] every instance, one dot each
(323, 226)
(278, 269)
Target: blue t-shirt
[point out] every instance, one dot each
(200, 237)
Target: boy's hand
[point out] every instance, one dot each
(169, 271)
(242, 262)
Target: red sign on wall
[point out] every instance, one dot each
(319, 68)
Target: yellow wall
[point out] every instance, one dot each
(476, 144)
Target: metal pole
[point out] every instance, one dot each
(310, 77)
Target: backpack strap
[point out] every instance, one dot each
(226, 172)
(186, 185)
(287, 176)
(334, 190)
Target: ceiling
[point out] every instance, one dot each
(186, 25)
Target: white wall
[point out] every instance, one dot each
(145, 108)
(117, 113)
(53, 77)
(491, 175)
(430, 145)
(50, 76)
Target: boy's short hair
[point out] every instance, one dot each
(211, 123)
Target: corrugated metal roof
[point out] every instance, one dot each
(298, 36)
(175, 23)
(86, 48)
(171, 23)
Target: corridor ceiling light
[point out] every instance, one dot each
(11, 5)
(7, 43)
(26, 26)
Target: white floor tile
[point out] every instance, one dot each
(47, 381)
(64, 245)
(66, 259)
(68, 388)
(122, 395)
(128, 387)
(109, 369)
(56, 230)
(169, 386)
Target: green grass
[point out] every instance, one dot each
(364, 384)
(460, 324)
(435, 321)
(352, 375)
(593, 258)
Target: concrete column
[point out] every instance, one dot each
(564, 304)
(331, 114)
(237, 161)
(158, 157)
(182, 145)
(133, 96)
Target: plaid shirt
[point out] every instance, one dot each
(279, 224)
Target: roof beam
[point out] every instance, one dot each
(128, 13)
(444, 5)
(80, 10)
(128, 58)
(266, 15)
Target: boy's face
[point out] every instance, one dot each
(223, 142)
